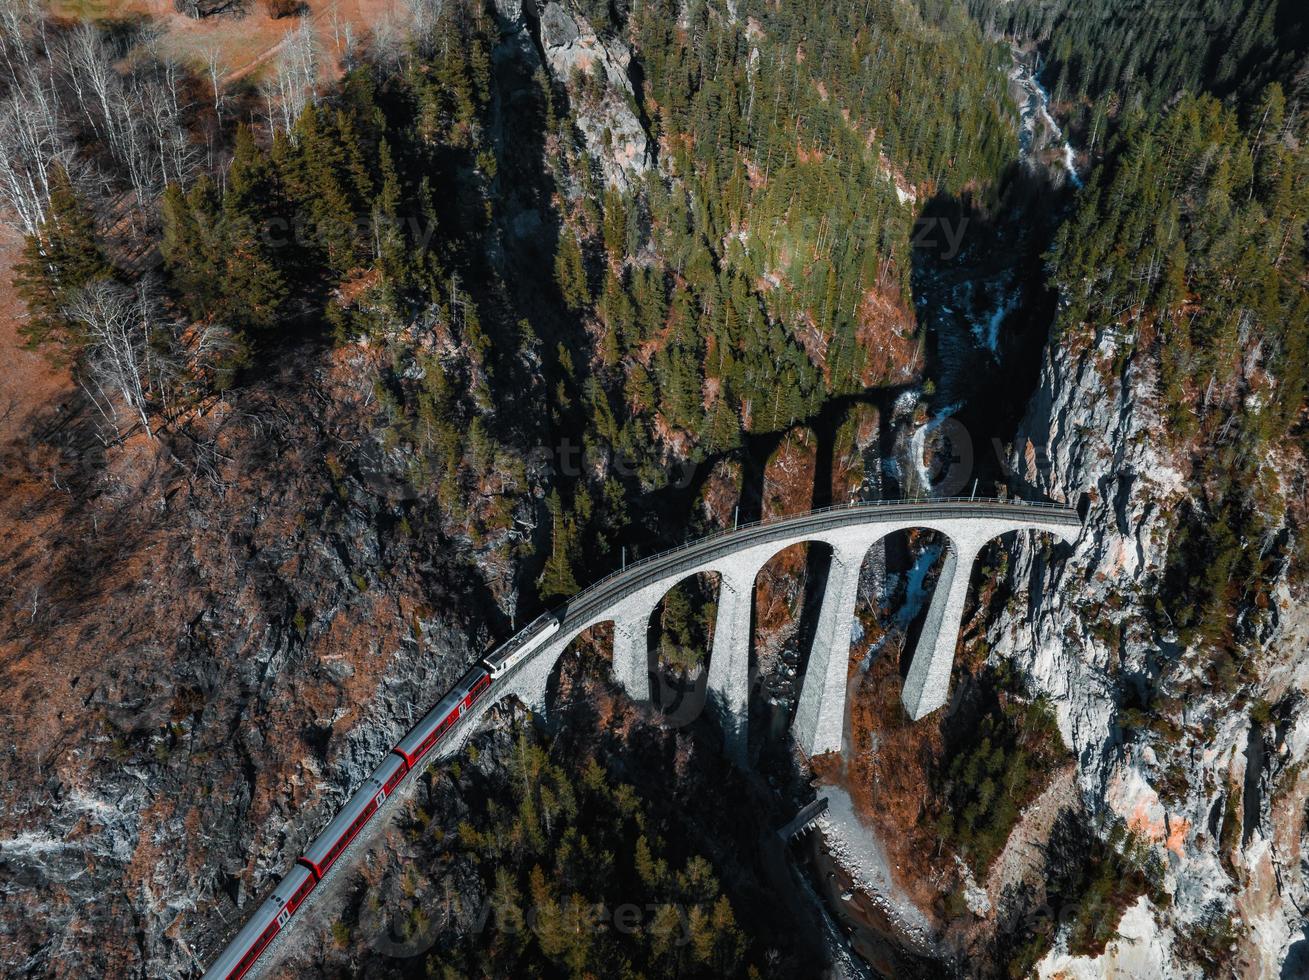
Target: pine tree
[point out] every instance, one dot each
(598, 411)
(251, 178)
(570, 273)
(60, 258)
(639, 390)
(1172, 290)
(179, 243)
(723, 430)
(731, 943)
(615, 309)
(389, 242)
(254, 287)
(327, 189)
(193, 245)
(557, 579)
(646, 868)
(615, 226)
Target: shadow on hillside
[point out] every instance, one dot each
(980, 292)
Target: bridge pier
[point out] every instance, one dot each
(820, 718)
(632, 654)
(928, 685)
(630, 597)
(531, 681)
(728, 685)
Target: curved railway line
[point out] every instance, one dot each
(489, 679)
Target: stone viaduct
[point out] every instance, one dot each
(629, 597)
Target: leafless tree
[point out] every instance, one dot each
(149, 140)
(32, 134)
(389, 43)
(215, 69)
(127, 355)
(21, 24)
(32, 140)
(87, 65)
(53, 86)
(426, 19)
(157, 120)
(335, 17)
(295, 77)
(209, 351)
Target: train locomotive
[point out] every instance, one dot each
(241, 954)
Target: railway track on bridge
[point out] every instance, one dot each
(444, 728)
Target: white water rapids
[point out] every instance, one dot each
(1034, 107)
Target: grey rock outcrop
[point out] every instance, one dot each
(1085, 632)
(594, 70)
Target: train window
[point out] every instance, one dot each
(301, 892)
(253, 952)
(391, 783)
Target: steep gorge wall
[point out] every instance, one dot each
(197, 670)
(1085, 630)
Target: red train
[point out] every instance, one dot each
(313, 866)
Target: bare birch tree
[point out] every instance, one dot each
(32, 134)
(426, 19)
(215, 69)
(31, 141)
(87, 65)
(158, 133)
(19, 22)
(127, 355)
(295, 77)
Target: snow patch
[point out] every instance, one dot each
(853, 846)
(987, 332)
(29, 845)
(915, 593)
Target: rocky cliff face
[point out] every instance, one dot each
(204, 650)
(205, 646)
(595, 72)
(1216, 781)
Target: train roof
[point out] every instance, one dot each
(251, 931)
(288, 885)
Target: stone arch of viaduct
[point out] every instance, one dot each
(628, 598)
